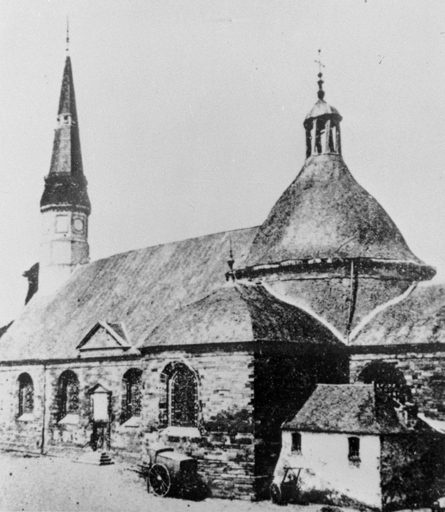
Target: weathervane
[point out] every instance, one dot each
(320, 82)
(67, 34)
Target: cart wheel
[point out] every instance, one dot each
(159, 480)
(275, 494)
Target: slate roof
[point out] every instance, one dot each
(325, 213)
(137, 288)
(241, 313)
(419, 318)
(348, 408)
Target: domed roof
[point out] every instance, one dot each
(240, 313)
(321, 108)
(325, 213)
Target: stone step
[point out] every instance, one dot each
(95, 458)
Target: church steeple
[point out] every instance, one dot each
(65, 204)
(66, 184)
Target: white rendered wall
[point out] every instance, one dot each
(64, 245)
(324, 458)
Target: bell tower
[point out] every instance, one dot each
(65, 205)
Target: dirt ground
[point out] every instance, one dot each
(56, 484)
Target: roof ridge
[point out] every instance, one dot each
(170, 243)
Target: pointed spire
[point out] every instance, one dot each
(66, 183)
(67, 102)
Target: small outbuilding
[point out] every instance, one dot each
(358, 446)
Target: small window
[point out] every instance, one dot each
(296, 442)
(354, 449)
(26, 394)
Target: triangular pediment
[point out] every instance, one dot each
(99, 388)
(105, 337)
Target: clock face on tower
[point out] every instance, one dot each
(78, 225)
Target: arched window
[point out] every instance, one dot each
(180, 405)
(388, 379)
(68, 394)
(131, 394)
(26, 394)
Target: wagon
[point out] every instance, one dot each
(286, 490)
(171, 473)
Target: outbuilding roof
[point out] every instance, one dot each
(137, 289)
(348, 408)
(325, 213)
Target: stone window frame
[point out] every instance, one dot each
(170, 371)
(68, 392)
(131, 405)
(25, 395)
(387, 379)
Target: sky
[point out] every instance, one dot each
(191, 115)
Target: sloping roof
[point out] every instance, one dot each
(240, 313)
(420, 318)
(325, 213)
(138, 288)
(349, 408)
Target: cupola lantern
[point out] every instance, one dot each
(322, 126)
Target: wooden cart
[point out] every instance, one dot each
(287, 490)
(171, 473)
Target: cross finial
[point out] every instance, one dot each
(67, 34)
(320, 64)
(320, 82)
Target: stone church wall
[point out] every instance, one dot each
(424, 372)
(225, 449)
(24, 433)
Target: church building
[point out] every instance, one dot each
(211, 343)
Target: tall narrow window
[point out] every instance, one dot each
(354, 449)
(179, 405)
(26, 394)
(131, 394)
(183, 391)
(68, 394)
